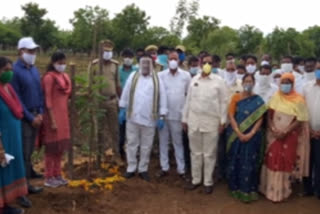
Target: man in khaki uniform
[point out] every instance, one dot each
(108, 129)
(152, 50)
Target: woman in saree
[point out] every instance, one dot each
(13, 183)
(244, 144)
(287, 152)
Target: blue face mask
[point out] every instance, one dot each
(286, 88)
(194, 70)
(317, 73)
(182, 57)
(215, 70)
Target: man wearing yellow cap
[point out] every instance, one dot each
(152, 50)
(107, 67)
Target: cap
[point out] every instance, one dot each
(107, 45)
(28, 43)
(151, 48)
(181, 47)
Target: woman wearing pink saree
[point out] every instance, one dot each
(287, 152)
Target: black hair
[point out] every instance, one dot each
(216, 58)
(311, 59)
(252, 57)
(230, 54)
(4, 61)
(242, 67)
(193, 59)
(203, 52)
(248, 75)
(206, 55)
(162, 49)
(288, 57)
(267, 67)
(243, 57)
(297, 60)
(57, 56)
(127, 52)
(140, 50)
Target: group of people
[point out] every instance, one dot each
(32, 109)
(254, 124)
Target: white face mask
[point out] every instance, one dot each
(127, 61)
(60, 68)
(173, 64)
(309, 76)
(301, 68)
(30, 59)
(194, 70)
(230, 77)
(251, 68)
(240, 76)
(286, 67)
(107, 55)
(264, 62)
(264, 80)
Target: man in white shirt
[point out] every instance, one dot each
(204, 116)
(311, 93)
(234, 85)
(310, 67)
(176, 82)
(144, 104)
(264, 86)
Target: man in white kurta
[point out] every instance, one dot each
(176, 82)
(141, 118)
(264, 86)
(204, 115)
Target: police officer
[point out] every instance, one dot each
(108, 129)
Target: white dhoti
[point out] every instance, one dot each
(172, 130)
(139, 137)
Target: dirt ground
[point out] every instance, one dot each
(167, 195)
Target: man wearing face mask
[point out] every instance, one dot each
(216, 63)
(310, 67)
(143, 105)
(298, 65)
(251, 64)
(265, 87)
(266, 60)
(230, 57)
(241, 71)
(193, 64)
(124, 71)
(152, 50)
(26, 82)
(108, 129)
(311, 93)
(204, 117)
(234, 85)
(176, 82)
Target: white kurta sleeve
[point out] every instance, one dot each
(163, 108)
(125, 96)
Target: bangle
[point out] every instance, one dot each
(237, 130)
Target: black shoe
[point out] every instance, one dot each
(208, 189)
(144, 176)
(129, 175)
(191, 186)
(34, 190)
(11, 210)
(162, 174)
(24, 202)
(35, 175)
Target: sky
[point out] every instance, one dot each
(265, 15)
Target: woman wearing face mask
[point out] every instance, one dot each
(244, 142)
(12, 175)
(287, 152)
(56, 129)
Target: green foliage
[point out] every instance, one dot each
(127, 25)
(42, 30)
(250, 40)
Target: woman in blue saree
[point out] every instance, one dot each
(244, 143)
(13, 183)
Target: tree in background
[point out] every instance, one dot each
(42, 30)
(250, 40)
